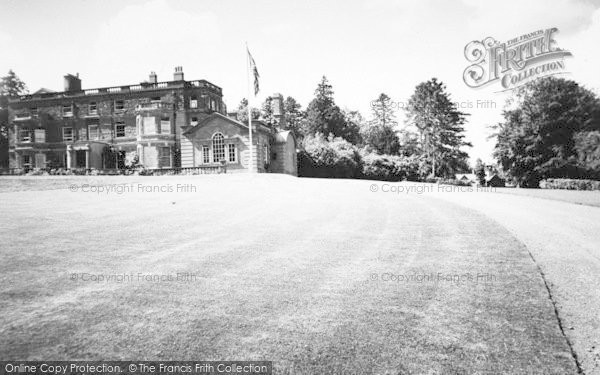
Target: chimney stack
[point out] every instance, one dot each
(278, 112)
(178, 75)
(153, 78)
(72, 82)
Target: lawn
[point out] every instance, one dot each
(318, 276)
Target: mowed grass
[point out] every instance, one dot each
(289, 270)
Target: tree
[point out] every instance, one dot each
(242, 112)
(544, 134)
(10, 86)
(354, 123)
(440, 127)
(294, 116)
(267, 112)
(323, 115)
(380, 134)
(480, 172)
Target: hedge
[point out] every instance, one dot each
(570, 184)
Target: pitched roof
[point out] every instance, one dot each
(217, 115)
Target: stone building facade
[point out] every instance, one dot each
(169, 124)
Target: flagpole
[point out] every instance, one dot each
(251, 159)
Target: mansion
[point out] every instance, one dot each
(163, 125)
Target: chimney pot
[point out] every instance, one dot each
(153, 77)
(178, 75)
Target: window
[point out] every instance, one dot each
(34, 111)
(205, 155)
(67, 110)
(24, 135)
(40, 160)
(119, 105)
(93, 131)
(267, 154)
(149, 124)
(218, 145)
(26, 161)
(93, 108)
(67, 134)
(213, 105)
(165, 125)
(120, 129)
(155, 99)
(164, 157)
(194, 121)
(194, 102)
(231, 152)
(40, 135)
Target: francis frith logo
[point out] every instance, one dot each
(515, 62)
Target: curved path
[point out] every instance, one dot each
(319, 276)
(564, 240)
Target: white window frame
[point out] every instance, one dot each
(220, 138)
(193, 102)
(93, 111)
(149, 125)
(117, 124)
(64, 136)
(39, 135)
(165, 122)
(27, 138)
(26, 164)
(91, 134)
(231, 146)
(160, 157)
(205, 154)
(122, 105)
(69, 112)
(267, 153)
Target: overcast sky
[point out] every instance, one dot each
(364, 47)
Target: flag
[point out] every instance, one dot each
(254, 71)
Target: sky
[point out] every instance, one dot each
(363, 47)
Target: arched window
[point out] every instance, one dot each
(218, 145)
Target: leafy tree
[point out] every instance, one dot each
(267, 112)
(380, 134)
(587, 147)
(10, 86)
(323, 115)
(440, 126)
(242, 112)
(480, 171)
(544, 134)
(294, 116)
(354, 123)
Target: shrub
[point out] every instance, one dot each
(570, 184)
(454, 182)
(389, 167)
(332, 157)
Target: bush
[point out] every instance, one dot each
(570, 184)
(332, 157)
(454, 182)
(389, 167)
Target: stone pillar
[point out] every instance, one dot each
(87, 158)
